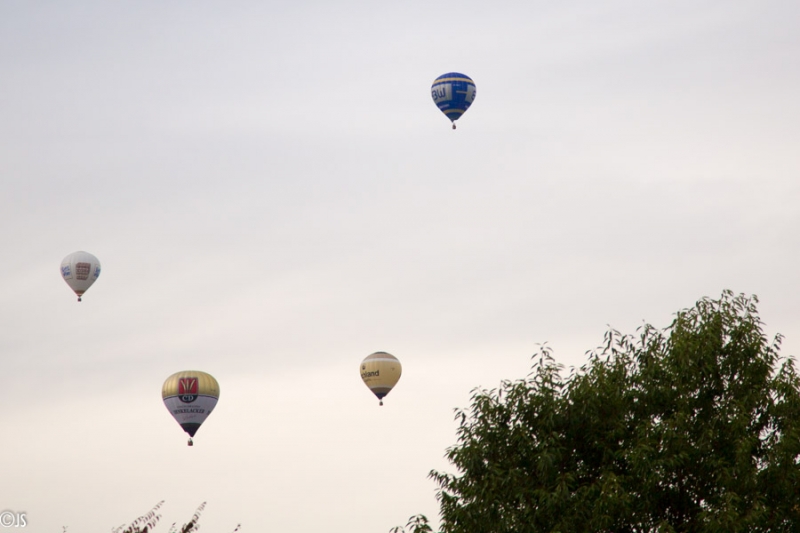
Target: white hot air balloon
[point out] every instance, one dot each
(80, 270)
(381, 372)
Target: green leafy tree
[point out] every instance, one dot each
(694, 428)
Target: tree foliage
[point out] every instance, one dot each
(693, 428)
(147, 522)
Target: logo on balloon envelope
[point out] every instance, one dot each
(442, 92)
(187, 389)
(470, 94)
(82, 271)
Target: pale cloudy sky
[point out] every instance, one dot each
(274, 196)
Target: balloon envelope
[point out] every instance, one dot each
(453, 93)
(380, 372)
(190, 396)
(80, 270)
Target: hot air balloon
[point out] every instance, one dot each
(380, 372)
(190, 396)
(453, 93)
(80, 270)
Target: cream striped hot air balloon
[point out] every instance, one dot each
(80, 270)
(190, 396)
(380, 372)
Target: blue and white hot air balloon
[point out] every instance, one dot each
(453, 93)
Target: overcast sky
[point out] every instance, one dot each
(273, 196)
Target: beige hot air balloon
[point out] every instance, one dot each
(190, 396)
(380, 372)
(80, 270)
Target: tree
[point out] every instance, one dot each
(147, 522)
(694, 428)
